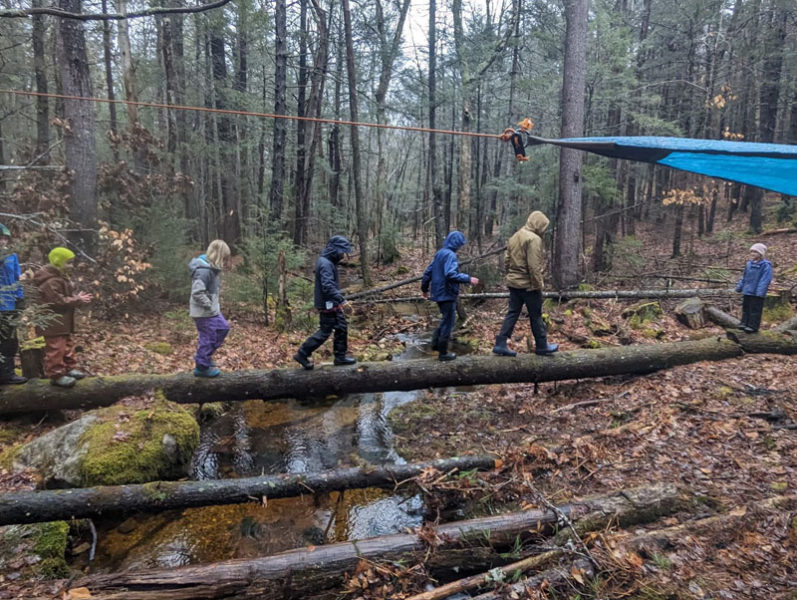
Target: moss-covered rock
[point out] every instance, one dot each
(642, 313)
(115, 445)
(139, 446)
(34, 551)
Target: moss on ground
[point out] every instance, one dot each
(778, 313)
(127, 447)
(50, 545)
(163, 348)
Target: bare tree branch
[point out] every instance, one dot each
(150, 12)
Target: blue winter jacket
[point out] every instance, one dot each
(10, 288)
(327, 284)
(756, 278)
(443, 272)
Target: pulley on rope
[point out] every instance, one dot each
(514, 135)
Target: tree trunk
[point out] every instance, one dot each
(300, 211)
(159, 496)
(42, 102)
(359, 199)
(437, 192)
(721, 318)
(567, 236)
(277, 190)
(297, 573)
(184, 388)
(79, 143)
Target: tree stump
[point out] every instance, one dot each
(32, 362)
(690, 313)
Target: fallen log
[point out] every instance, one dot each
(550, 578)
(721, 318)
(39, 395)
(158, 496)
(566, 295)
(300, 572)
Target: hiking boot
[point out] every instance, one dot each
(748, 329)
(304, 361)
(444, 355)
(206, 371)
(13, 379)
(547, 349)
(501, 348)
(344, 360)
(75, 374)
(64, 381)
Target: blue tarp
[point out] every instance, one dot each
(769, 166)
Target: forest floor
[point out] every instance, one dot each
(707, 428)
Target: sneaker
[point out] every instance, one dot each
(75, 374)
(304, 361)
(748, 329)
(345, 360)
(206, 372)
(64, 381)
(548, 349)
(13, 379)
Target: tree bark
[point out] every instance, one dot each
(79, 143)
(159, 496)
(437, 192)
(42, 102)
(359, 199)
(184, 388)
(721, 318)
(277, 189)
(297, 573)
(567, 236)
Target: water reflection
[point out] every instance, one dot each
(255, 438)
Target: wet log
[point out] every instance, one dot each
(301, 572)
(721, 318)
(328, 381)
(566, 295)
(158, 496)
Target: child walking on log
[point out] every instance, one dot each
(753, 285)
(56, 292)
(330, 304)
(11, 302)
(204, 306)
(443, 277)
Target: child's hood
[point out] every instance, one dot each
(46, 273)
(200, 262)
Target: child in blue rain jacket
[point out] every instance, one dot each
(753, 285)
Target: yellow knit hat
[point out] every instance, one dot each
(60, 256)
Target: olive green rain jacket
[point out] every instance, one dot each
(524, 262)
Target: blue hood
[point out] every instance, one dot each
(454, 241)
(336, 247)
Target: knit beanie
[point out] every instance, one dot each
(60, 256)
(760, 248)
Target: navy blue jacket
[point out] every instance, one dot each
(756, 278)
(443, 272)
(327, 285)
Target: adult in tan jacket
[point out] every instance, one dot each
(524, 268)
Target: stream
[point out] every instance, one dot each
(255, 438)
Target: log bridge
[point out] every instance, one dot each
(326, 381)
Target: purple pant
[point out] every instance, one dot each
(212, 331)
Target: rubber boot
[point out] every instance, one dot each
(444, 354)
(304, 360)
(64, 381)
(75, 374)
(13, 379)
(546, 349)
(339, 348)
(501, 348)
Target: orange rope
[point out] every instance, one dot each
(252, 114)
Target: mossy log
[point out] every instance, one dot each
(111, 500)
(301, 572)
(387, 376)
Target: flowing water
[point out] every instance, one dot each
(257, 438)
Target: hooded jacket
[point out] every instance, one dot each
(205, 284)
(10, 288)
(442, 275)
(327, 284)
(756, 278)
(56, 292)
(523, 260)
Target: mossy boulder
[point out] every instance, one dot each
(115, 445)
(641, 313)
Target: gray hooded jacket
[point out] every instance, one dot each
(205, 283)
